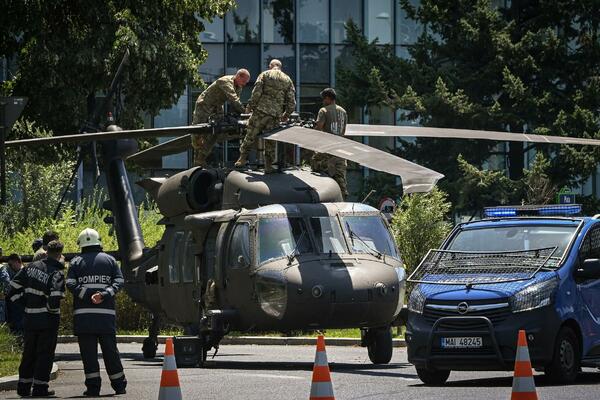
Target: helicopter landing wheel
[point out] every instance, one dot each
(149, 347)
(380, 345)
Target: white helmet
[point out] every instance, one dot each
(89, 237)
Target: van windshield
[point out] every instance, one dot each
(514, 238)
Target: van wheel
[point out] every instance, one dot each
(566, 362)
(433, 377)
(380, 345)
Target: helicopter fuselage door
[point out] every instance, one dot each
(238, 260)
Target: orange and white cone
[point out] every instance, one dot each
(321, 387)
(169, 380)
(523, 383)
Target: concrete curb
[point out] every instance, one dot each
(10, 382)
(250, 340)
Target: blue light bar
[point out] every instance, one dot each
(497, 212)
(556, 210)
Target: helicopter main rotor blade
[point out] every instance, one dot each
(450, 133)
(153, 156)
(415, 178)
(115, 135)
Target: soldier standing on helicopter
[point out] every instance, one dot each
(331, 119)
(273, 100)
(210, 105)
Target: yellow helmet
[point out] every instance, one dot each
(89, 237)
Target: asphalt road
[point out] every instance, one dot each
(284, 372)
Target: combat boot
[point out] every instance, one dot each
(241, 162)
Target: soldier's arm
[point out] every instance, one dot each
(74, 286)
(321, 119)
(231, 95)
(290, 100)
(16, 290)
(57, 292)
(117, 282)
(257, 92)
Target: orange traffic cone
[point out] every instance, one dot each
(523, 383)
(169, 380)
(321, 387)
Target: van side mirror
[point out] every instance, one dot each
(589, 269)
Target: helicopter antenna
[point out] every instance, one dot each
(368, 195)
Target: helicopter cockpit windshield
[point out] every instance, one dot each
(282, 237)
(368, 234)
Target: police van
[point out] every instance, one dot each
(535, 268)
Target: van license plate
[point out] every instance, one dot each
(462, 342)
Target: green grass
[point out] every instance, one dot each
(10, 354)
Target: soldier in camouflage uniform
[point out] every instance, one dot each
(273, 100)
(210, 105)
(332, 119)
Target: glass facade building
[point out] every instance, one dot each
(308, 36)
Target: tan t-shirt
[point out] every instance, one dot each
(335, 119)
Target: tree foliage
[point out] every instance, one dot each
(419, 224)
(532, 67)
(68, 51)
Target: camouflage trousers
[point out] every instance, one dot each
(203, 144)
(333, 166)
(258, 123)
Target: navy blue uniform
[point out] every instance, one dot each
(39, 287)
(91, 272)
(14, 311)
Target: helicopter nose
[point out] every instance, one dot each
(342, 293)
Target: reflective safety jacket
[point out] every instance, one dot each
(39, 287)
(91, 272)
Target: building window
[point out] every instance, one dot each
(310, 98)
(242, 22)
(174, 116)
(314, 64)
(213, 67)
(213, 31)
(380, 20)
(314, 21)
(278, 21)
(343, 58)
(407, 30)
(243, 56)
(344, 11)
(283, 53)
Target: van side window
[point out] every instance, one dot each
(239, 247)
(174, 257)
(591, 245)
(189, 259)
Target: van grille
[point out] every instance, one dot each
(496, 316)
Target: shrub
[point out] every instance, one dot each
(419, 224)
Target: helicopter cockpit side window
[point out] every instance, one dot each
(281, 236)
(239, 246)
(175, 256)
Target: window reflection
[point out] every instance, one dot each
(368, 234)
(278, 21)
(212, 68)
(343, 58)
(174, 116)
(314, 21)
(242, 22)
(244, 56)
(213, 31)
(380, 20)
(314, 63)
(310, 98)
(283, 53)
(344, 10)
(407, 30)
(328, 235)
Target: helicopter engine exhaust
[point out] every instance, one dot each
(191, 191)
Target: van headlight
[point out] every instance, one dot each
(401, 273)
(271, 290)
(534, 296)
(416, 301)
